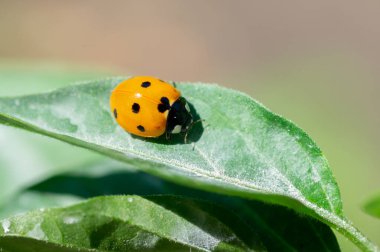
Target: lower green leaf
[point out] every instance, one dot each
(124, 223)
(275, 227)
(26, 244)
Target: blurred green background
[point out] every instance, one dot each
(316, 63)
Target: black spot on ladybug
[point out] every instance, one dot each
(165, 101)
(162, 107)
(135, 108)
(115, 113)
(141, 128)
(145, 84)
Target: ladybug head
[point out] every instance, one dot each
(179, 117)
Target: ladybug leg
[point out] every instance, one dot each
(185, 138)
(168, 136)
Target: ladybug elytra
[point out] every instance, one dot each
(149, 107)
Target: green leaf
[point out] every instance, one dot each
(373, 207)
(124, 223)
(277, 228)
(243, 149)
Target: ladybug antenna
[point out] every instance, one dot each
(190, 126)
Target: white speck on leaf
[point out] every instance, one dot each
(144, 240)
(6, 224)
(69, 220)
(37, 232)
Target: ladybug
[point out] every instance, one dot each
(149, 107)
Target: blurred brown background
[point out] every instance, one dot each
(317, 63)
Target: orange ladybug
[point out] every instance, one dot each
(149, 107)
